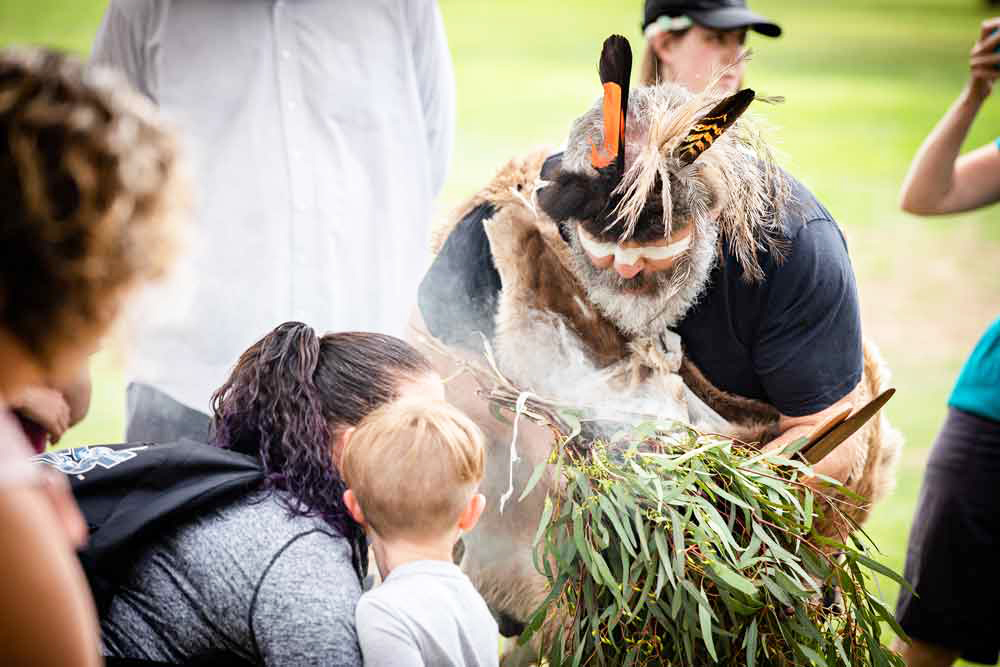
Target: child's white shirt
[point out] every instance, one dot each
(426, 613)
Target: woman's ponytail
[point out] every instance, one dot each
(289, 395)
(270, 406)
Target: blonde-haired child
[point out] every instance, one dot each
(413, 469)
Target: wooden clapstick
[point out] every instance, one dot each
(839, 427)
(826, 426)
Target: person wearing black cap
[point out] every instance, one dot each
(689, 41)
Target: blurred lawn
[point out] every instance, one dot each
(864, 81)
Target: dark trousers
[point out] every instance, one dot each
(951, 562)
(152, 416)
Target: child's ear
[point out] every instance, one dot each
(354, 508)
(470, 516)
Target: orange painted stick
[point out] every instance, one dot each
(613, 124)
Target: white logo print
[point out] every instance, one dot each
(79, 460)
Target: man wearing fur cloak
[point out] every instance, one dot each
(663, 244)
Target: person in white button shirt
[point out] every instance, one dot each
(321, 131)
(413, 470)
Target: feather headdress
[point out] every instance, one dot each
(615, 68)
(670, 159)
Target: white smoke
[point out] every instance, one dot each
(543, 356)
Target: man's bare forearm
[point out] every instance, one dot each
(838, 463)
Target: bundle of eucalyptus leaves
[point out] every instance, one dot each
(665, 546)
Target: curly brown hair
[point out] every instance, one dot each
(90, 182)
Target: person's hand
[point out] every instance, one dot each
(45, 406)
(984, 61)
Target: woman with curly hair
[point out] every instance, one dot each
(88, 181)
(272, 578)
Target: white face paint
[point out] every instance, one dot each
(631, 256)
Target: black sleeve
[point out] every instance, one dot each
(458, 295)
(808, 349)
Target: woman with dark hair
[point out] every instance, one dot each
(273, 577)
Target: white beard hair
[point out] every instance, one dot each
(650, 314)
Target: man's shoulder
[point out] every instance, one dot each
(807, 233)
(801, 208)
(808, 247)
(813, 241)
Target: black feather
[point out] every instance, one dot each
(616, 61)
(573, 195)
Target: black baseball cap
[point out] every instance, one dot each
(717, 14)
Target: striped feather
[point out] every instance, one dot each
(711, 126)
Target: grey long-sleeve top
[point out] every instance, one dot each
(247, 579)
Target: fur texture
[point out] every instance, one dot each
(547, 321)
(547, 290)
(514, 182)
(566, 330)
(879, 445)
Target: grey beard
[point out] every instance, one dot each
(673, 294)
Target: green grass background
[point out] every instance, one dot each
(864, 81)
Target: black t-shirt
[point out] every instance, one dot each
(792, 339)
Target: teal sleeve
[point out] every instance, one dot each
(978, 387)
